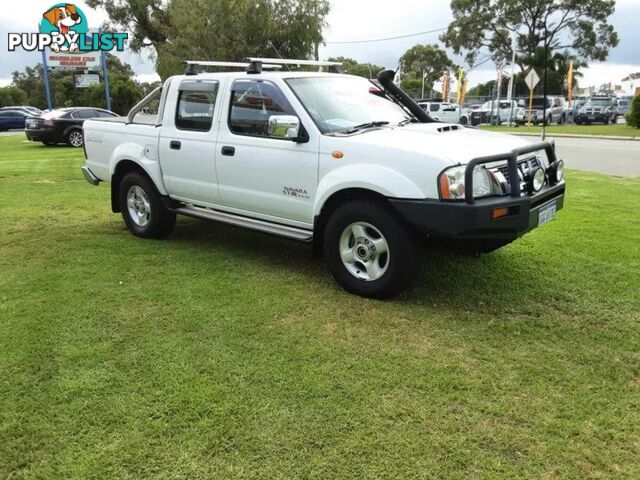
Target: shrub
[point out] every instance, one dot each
(633, 115)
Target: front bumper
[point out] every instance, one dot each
(592, 117)
(475, 221)
(474, 218)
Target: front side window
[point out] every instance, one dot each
(434, 107)
(338, 104)
(195, 109)
(253, 102)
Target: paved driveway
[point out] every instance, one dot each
(613, 157)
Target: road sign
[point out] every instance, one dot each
(532, 79)
(86, 80)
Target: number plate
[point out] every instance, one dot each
(592, 117)
(547, 214)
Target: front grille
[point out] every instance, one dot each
(524, 166)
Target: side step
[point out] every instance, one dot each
(246, 222)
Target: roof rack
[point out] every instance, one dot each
(333, 66)
(194, 66)
(256, 65)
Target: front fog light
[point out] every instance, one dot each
(560, 171)
(556, 172)
(538, 179)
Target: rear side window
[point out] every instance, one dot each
(84, 114)
(252, 103)
(196, 104)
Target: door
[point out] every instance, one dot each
(258, 173)
(187, 142)
(449, 113)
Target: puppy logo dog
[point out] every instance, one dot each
(63, 17)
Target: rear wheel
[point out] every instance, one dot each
(369, 250)
(74, 138)
(143, 211)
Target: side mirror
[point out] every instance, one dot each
(284, 126)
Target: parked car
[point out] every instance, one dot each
(599, 109)
(31, 111)
(498, 111)
(12, 119)
(555, 111)
(446, 112)
(571, 112)
(624, 105)
(63, 125)
(316, 157)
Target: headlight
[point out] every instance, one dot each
(582, 110)
(452, 183)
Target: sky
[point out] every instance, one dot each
(352, 20)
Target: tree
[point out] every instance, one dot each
(431, 60)
(579, 25)
(10, 96)
(633, 115)
(219, 29)
(352, 67)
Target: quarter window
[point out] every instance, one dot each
(252, 103)
(195, 109)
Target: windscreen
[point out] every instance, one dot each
(338, 104)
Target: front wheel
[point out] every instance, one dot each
(369, 250)
(74, 138)
(143, 211)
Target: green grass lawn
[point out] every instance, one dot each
(621, 130)
(223, 353)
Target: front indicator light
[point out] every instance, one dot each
(499, 213)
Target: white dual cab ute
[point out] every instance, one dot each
(361, 172)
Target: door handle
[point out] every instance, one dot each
(228, 151)
(175, 145)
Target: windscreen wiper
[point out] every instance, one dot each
(364, 126)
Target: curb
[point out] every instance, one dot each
(574, 135)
